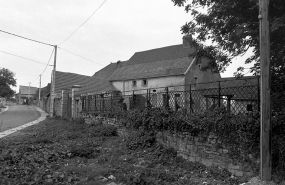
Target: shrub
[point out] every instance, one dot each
(237, 133)
(140, 139)
(102, 131)
(79, 120)
(278, 141)
(83, 151)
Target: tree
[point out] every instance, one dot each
(6, 81)
(233, 28)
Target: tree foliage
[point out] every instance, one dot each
(233, 28)
(7, 79)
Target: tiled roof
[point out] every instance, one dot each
(166, 61)
(28, 90)
(100, 81)
(150, 70)
(45, 90)
(65, 80)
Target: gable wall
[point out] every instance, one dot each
(202, 76)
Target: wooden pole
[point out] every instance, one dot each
(29, 91)
(52, 89)
(40, 91)
(265, 133)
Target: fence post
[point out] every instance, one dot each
(147, 98)
(229, 104)
(103, 103)
(258, 94)
(88, 103)
(167, 98)
(82, 99)
(190, 99)
(219, 99)
(100, 99)
(95, 103)
(133, 99)
(111, 102)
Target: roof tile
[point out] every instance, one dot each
(166, 61)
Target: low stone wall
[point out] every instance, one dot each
(205, 151)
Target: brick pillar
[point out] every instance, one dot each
(75, 88)
(64, 99)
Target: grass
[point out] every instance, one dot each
(61, 152)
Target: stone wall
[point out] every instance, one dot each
(64, 104)
(57, 107)
(206, 150)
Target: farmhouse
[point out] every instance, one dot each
(25, 93)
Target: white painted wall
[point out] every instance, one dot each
(157, 84)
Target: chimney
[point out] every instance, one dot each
(186, 39)
(119, 64)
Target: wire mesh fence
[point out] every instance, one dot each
(237, 96)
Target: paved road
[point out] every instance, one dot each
(18, 115)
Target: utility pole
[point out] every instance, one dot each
(52, 89)
(265, 133)
(29, 91)
(40, 91)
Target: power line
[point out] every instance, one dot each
(26, 38)
(83, 22)
(48, 62)
(22, 57)
(80, 56)
(44, 69)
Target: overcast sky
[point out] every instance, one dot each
(115, 32)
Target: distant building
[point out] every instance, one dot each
(152, 70)
(25, 93)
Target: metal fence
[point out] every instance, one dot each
(237, 96)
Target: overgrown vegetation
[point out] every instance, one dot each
(238, 133)
(62, 152)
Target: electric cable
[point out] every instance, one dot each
(83, 23)
(48, 62)
(80, 56)
(22, 57)
(26, 38)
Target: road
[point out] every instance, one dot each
(18, 115)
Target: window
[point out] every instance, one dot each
(134, 83)
(144, 82)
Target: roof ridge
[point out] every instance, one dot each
(158, 48)
(72, 73)
(155, 61)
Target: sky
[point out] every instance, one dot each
(115, 32)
